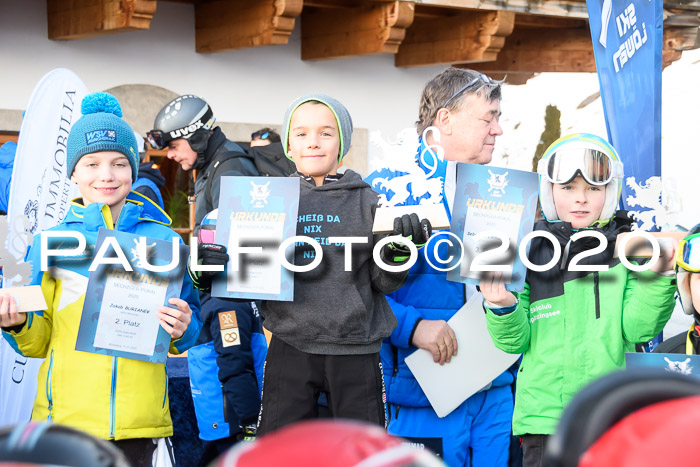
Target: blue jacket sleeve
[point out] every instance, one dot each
(407, 317)
(189, 338)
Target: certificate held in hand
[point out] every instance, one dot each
(119, 315)
(256, 212)
(494, 209)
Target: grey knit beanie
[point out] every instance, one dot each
(342, 117)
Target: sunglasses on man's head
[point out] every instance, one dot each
(480, 78)
(260, 135)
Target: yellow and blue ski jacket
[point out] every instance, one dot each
(108, 397)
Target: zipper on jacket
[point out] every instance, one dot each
(165, 394)
(395, 358)
(596, 291)
(224, 403)
(112, 397)
(49, 396)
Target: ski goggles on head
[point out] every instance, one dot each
(480, 78)
(156, 139)
(688, 256)
(596, 167)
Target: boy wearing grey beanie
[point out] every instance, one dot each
(328, 339)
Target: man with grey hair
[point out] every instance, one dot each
(458, 114)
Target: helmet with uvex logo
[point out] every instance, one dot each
(180, 118)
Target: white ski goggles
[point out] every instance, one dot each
(596, 167)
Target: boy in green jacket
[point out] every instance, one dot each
(573, 326)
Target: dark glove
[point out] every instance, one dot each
(208, 254)
(408, 226)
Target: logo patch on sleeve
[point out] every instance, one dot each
(101, 136)
(229, 328)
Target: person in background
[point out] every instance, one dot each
(185, 126)
(226, 366)
(149, 181)
(688, 284)
(264, 137)
(7, 162)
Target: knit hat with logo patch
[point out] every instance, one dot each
(342, 118)
(101, 128)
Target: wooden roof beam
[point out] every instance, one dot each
(68, 20)
(530, 50)
(237, 24)
(676, 40)
(565, 8)
(465, 37)
(372, 28)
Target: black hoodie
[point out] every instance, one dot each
(235, 162)
(336, 312)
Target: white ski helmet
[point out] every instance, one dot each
(580, 154)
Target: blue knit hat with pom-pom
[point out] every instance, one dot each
(101, 128)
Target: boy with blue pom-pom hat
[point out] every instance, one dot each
(114, 398)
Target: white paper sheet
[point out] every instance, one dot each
(477, 363)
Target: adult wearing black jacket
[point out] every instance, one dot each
(225, 411)
(186, 127)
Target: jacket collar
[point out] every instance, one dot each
(329, 178)
(137, 208)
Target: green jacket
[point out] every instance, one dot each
(574, 327)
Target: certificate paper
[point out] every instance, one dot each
(477, 363)
(119, 315)
(256, 212)
(497, 200)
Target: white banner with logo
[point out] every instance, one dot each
(40, 196)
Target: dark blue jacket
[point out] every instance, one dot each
(226, 366)
(149, 183)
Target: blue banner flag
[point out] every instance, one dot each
(627, 42)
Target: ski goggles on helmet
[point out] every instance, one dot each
(156, 139)
(596, 167)
(688, 256)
